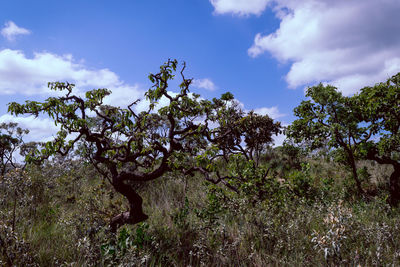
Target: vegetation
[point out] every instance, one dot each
(329, 116)
(363, 126)
(216, 191)
(380, 111)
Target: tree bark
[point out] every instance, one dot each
(355, 175)
(348, 149)
(394, 186)
(394, 181)
(354, 170)
(135, 214)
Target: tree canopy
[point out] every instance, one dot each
(189, 134)
(329, 116)
(365, 126)
(379, 110)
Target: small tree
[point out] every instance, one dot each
(10, 141)
(233, 156)
(127, 146)
(330, 116)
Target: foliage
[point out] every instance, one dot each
(279, 206)
(114, 250)
(301, 183)
(14, 250)
(379, 109)
(330, 116)
(365, 125)
(127, 147)
(197, 223)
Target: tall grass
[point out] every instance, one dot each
(313, 217)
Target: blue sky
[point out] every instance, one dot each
(263, 51)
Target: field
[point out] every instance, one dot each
(58, 215)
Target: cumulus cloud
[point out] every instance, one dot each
(22, 75)
(239, 7)
(40, 129)
(29, 76)
(349, 44)
(272, 112)
(123, 95)
(204, 84)
(279, 139)
(11, 31)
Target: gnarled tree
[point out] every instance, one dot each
(128, 146)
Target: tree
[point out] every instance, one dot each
(127, 146)
(233, 156)
(10, 141)
(330, 116)
(380, 110)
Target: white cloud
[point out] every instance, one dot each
(29, 76)
(204, 84)
(239, 7)
(11, 30)
(272, 112)
(348, 43)
(279, 139)
(123, 95)
(40, 129)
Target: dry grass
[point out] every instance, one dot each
(194, 224)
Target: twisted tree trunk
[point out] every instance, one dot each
(394, 181)
(394, 186)
(135, 213)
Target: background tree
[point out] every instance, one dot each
(127, 146)
(330, 116)
(236, 146)
(10, 141)
(380, 111)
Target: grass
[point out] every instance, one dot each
(63, 214)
